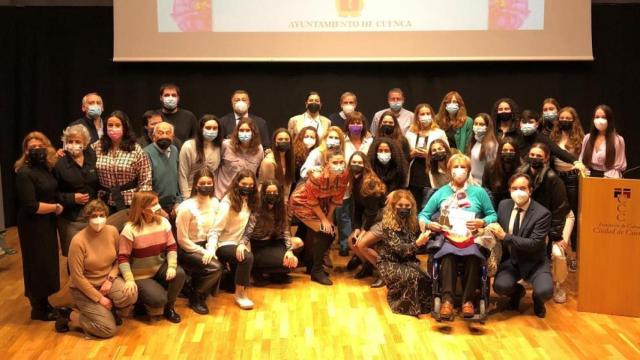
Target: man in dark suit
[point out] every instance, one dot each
(523, 226)
(240, 103)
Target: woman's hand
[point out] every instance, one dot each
(423, 238)
(106, 302)
(475, 224)
(563, 244)
(59, 209)
(290, 261)
(327, 227)
(106, 287)
(435, 227)
(354, 236)
(81, 198)
(240, 252)
(171, 273)
(207, 257)
(130, 288)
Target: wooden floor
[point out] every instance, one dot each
(309, 321)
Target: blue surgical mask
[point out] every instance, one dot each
(384, 158)
(550, 116)
(170, 102)
(210, 134)
(396, 106)
(94, 111)
(452, 108)
(528, 129)
(244, 137)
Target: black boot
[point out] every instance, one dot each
(171, 315)
(42, 310)
(62, 322)
(353, 263)
(366, 271)
(322, 243)
(197, 302)
(116, 317)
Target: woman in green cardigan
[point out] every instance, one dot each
(453, 119)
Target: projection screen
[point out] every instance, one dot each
(351, 30)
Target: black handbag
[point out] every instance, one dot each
(435, 243)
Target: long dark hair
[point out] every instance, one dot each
(371, 183)
(128, 142)
(539, 176)
(610, 138)
(396, 168)
(497, 173)
(515, 112)
(489, 139)
(196, 177)
(254, 143)
(432, 164)
(253, 201)
(289, 158)
(397, 131)
(279, 211)
(199, 138)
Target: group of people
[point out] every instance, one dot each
(192, 206)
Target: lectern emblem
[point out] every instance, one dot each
(622, 195)
(349, 8)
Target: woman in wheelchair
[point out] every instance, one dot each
(464, 210)
(409, 288)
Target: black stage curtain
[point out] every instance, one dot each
(52, 56)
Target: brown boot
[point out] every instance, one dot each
(446, 310)
(467, 310)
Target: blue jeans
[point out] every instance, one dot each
(343, 220)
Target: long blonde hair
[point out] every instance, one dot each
(323, 145)
(389, 218)
(415, 123)
(24, 158)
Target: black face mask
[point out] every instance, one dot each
(283, 146)
(565, 125)
(439, 156)
(536, 163)
(206, 190)
(38, 157)
(271, 199)
(163, 143)
(504, 117)
(403, 213)
(313, 107)
(387, 129)
(356, 169)
(245, 191)
(508, 157)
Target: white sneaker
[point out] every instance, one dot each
(244, 303)
(559, 295)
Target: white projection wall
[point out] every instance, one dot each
(351, 30)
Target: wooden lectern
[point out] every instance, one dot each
(609, 246)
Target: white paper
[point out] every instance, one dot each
(458, 221)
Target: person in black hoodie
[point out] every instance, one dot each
(497, 174)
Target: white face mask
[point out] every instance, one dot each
(384, 158)
(309, 142)
(337, 169)
(459, 174)
(170, 102)
(240, 107)
(333, 143)
(97, 223)
(348, 108)
(155, 208)
(74, 149)
(600, 123)
(425, 119)
(520, 197)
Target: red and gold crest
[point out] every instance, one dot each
(349, 8)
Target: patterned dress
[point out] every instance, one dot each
(409, 288)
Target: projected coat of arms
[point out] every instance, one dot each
(508, 14)
(349, 8)
(192, 15)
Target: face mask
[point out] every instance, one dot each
(114, 133)
(337, 169)
(74, 149)
(504, 117)
(425, 119)
(283, 146)
(240, 107)
(459, 174)
(38, 157)
(387, 129)
(313, 107)
(528, 129)
(396, 106)
(452, 108)
(163, 143)
(480, 132)
(550, 116)
(94, 111)
(333, 143)
(600, 124)
(403, 213)
(244, 136)
(356, 169)
(520, 197)
(209, 134)
(156, 208)
(536, 163)
(355, 129)
(206, 190)
(384, 158)
(170, 102)
(97, 223)
(439, 156)
(565, 125)
(348, 109)
(271, 199)
(309, 142)
(508, 157)
(245, 191)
